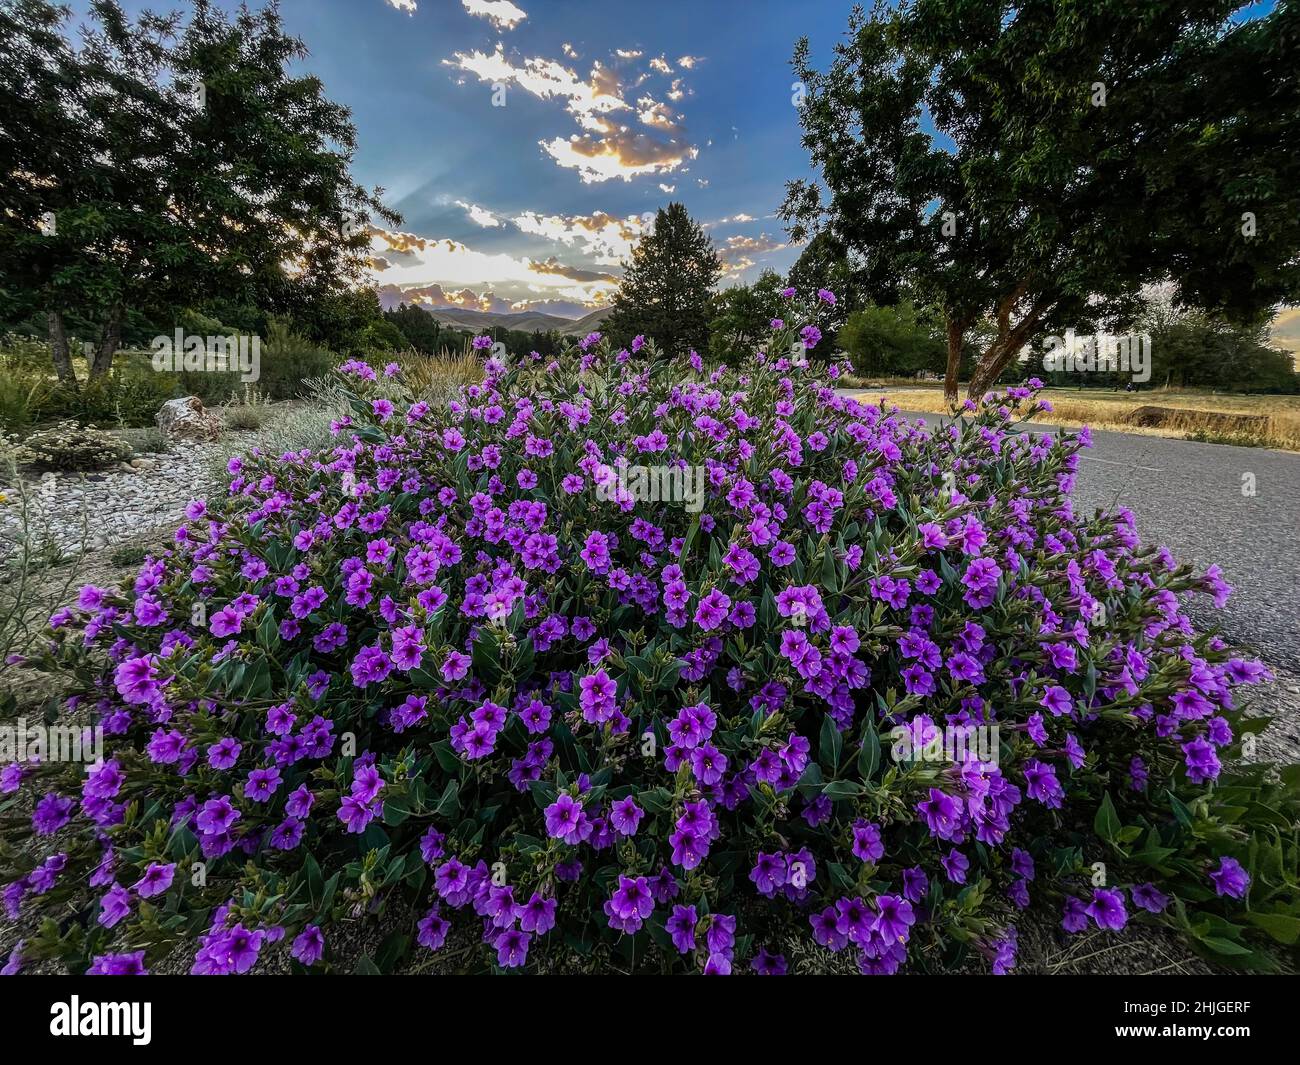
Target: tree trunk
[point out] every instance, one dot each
(955, 336)
(1007, 343)
(102, 360)
(59, 348)
(987, 371)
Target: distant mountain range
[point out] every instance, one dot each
(525, 321)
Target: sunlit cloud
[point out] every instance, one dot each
(739, 253)
(687, 62)
(548, 79)
(606, 148)
(657, 115)
(446, 270)
(605, 237)
(627, 53)
(501, 13)
(403, 5)
(619, 153)
(734, 219)
(557, 269)
(479, 215)
(661, 64)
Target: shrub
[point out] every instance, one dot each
(246, 410)
(439, 379)
(459, 661)
(288, 360)
(148, 440)
(128, 555)
(69, 446)
(25, 383)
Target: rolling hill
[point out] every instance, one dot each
(526, 321)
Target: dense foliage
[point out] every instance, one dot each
(460, 662)
(666, 288)
(152, 164)
(1079, 152)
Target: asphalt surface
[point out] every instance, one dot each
(1196, 499)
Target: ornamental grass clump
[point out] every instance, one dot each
(878, 694)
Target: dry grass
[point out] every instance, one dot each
(1249, 421)
(437, 380)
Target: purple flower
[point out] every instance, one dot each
(630, 904)
(51, 813)
(157, 879)
(1107, 909)
(712, 610)
(1230, 879)
(512, 948)
(1149, 898)
(625, 815)
(894, 917)
(309, 945)
(114, 906)
(537, 915)
(567, 821)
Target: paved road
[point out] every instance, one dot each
(1196, 499)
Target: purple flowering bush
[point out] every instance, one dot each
(459, 668)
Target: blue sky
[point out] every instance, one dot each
(611, 110)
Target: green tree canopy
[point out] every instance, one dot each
(667, 288)
(742, 316)
(1079, 151)
(893, 340)
(176, 162)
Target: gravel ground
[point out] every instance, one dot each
(96, 510)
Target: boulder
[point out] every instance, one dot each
(188, 419)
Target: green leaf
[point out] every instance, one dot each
(391, 951)
(832, 744)
(1107, 823)
(841, 789)
(1280, 926)
(1224, 946)
(869, 756)
(315, 882)
(449, 803)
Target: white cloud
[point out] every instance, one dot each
(619, 153)
(605, 237)
(548, 79)
(403, 5)
(605, 149)
(739, 253)
(479, 215)
(501, 13)
(463, 276)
